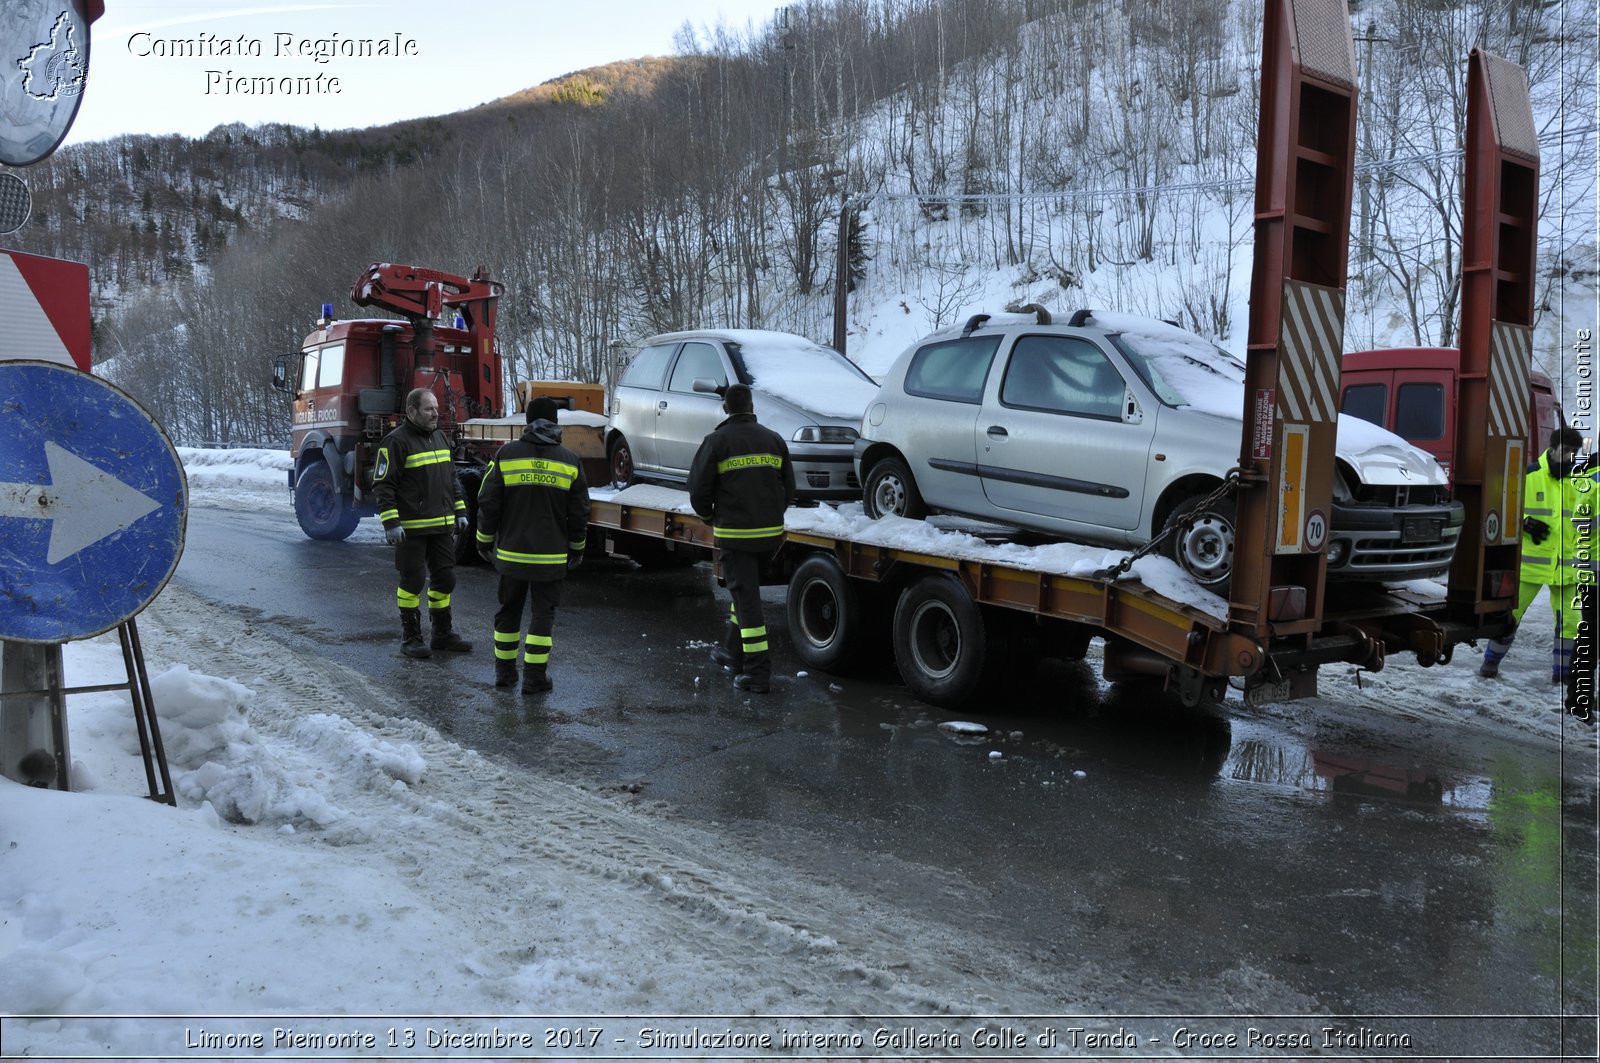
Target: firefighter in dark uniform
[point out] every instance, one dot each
(419, 501)
(742, 481)
(533, 520)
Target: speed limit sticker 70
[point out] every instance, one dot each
(1316, 531)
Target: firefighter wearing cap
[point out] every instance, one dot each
(533, 520)
(742, 481)
(419, 501)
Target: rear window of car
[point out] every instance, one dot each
(1366, 401)
(952, 369)
(1419, 411)
(648, 368)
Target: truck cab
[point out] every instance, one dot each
(1413, 392)
(350, 380)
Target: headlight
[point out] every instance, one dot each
(825, 433)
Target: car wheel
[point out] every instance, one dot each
(941, 644)
(322, 512)
(1202, 543)
(620, 459)
(890, 491)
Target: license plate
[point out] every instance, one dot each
(1418, 530)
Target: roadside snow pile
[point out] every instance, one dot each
(237, 478)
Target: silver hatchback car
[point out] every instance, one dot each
(670, 398)
(1110, 427)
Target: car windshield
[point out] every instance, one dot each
(804, 374)
(1180, 367)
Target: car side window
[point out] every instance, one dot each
(952, 369)
(697, 360)
(1062, 374)
(648, 368)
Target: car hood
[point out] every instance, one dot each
(1376, 455)
(784, 416)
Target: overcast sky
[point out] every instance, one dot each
(454, 56)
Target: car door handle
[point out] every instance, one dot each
(997, 431)
(661, 405)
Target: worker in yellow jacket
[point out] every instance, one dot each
(1557, 548)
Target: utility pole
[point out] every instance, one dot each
(1368, 149)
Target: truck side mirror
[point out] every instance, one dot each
(280, 374)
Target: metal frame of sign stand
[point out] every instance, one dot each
(137, 685)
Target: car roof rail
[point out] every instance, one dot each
(1080, 317)
(973, 323)
(1040, 313)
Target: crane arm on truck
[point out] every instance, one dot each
(416, 292)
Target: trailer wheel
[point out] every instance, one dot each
(830, 619)
(890, 491)
(322, 512)
(1203, 543)
(620, 460)
(941, 643)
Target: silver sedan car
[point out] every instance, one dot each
(1111, 427)
(670, 398)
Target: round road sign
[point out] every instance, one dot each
(93, 504)
(1491, 527)
(1316, 531)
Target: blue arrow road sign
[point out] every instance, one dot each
(93, 504)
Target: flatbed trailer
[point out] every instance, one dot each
(957, 612)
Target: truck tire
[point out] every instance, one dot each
(941, 643)
(322, 512)
(619, 459)
(1202, 543)
(890, 491)
(832, 622)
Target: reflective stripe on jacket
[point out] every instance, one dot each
(534, 505)
(741, 481)
(414, 481)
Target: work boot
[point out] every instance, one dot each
(443, 637)
(1489, 669)
(505, 673)
(728, 662)
(754, 684)
(411, 643)
(535, 680)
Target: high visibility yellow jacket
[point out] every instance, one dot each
(1566, 505)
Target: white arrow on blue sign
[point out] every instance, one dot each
(93, 504)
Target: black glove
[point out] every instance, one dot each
(1536, 529)
(394, 536)
(574, 559)
(486, 551)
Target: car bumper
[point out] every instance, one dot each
(830, 475)
(1387, 543)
